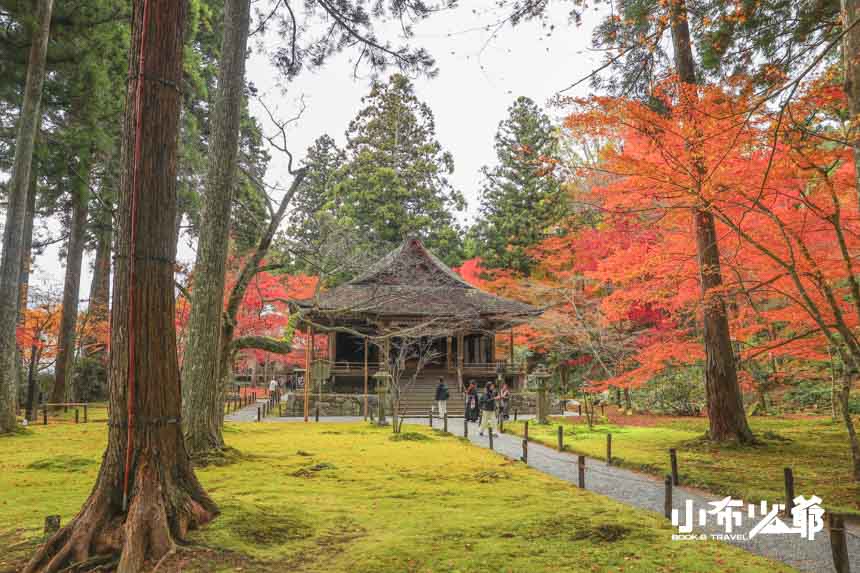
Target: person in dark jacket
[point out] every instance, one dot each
(489, 404)
(472, 409)
(442, 398)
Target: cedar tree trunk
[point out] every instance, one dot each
(10, 267)
(72, 286)
(726, 414)
(203, 395)
(851, 65)
(164, 498)
(27, 249)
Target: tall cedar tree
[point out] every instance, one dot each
(395, 180)
(726, 417)
(146, 495)
(13, 231)
(316, 197)
(202, 400)
(520, 200)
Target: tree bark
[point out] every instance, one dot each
(10, 267)
(30, 411)
(726, 416)
(27, 249)
(163, 498)
(72, 287)
(24, 276)
(844, 394)
(203, 395)
(851, 66)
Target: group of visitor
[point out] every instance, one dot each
(488, 407)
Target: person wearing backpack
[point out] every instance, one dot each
(442, 398)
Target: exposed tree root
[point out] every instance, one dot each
(161, 511)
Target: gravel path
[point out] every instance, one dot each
(638, 490)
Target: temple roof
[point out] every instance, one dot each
(411, 281)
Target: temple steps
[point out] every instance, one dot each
(420, 397)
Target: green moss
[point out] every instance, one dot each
(62, 463)
(409, 437)
(375, 505)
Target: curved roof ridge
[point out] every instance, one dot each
(410, 264)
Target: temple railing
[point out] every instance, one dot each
(474, 368)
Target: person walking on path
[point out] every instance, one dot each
(504, 400)
(273, 388)
(442, 398)
(489, 403)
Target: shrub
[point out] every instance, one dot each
(679, 392)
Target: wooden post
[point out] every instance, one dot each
(317, 414)
(526, 430)
(789, 490)
(579, 406)
(516, 413)
(85, 414)
(45, 415)
(561, 438)
(491, 437)
(259, 414)
(465, 428)
(525, 456)
(673, 460)
(365, 380)
(581, 467)
(603, 410)
(445, 423)
(667, 498)
(608, 448)
(309, 356)
(77, 419)
(838, 543)
(430, 418)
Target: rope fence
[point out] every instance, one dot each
(838, 532)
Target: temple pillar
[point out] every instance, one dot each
(448, 353)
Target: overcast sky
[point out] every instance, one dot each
(480, 74)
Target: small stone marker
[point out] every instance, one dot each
(52, 525)
(581, 468)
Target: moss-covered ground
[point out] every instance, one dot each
(346, 497)
(816, 449)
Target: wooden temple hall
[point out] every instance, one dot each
(410, 292)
